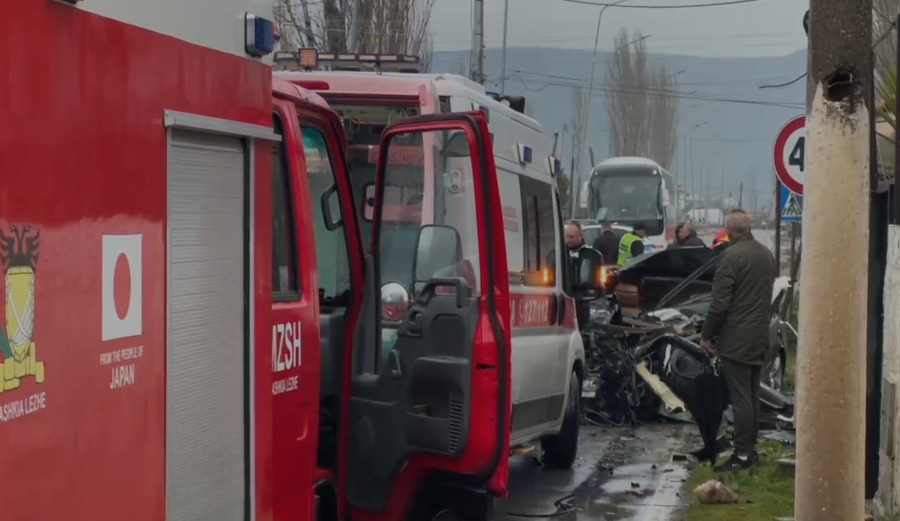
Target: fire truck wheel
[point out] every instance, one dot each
(559, 450)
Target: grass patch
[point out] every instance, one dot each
(790, 367)
(790, 371)
(765, 494)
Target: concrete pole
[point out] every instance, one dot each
(778, 210)
(477, 61)
(503, 56)
(831, 405)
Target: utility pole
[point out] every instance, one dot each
(573, 182)
(587, 109)
(503, 57)
(476, 63)
(722, 183)
(831, 399)
(690, 147)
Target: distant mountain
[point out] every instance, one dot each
(723, 116)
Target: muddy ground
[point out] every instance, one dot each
(622, 474)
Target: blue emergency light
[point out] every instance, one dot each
(524, 154)
(555, 165)
(259, 36)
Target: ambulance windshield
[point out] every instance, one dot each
(363, 126)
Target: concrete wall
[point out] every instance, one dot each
(888, 497)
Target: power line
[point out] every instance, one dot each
(795, 80)
(705, 139)
(660, 93)
(680, 6)
(680, 84)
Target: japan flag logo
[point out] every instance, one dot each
(121, 286)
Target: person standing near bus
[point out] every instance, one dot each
(574, 239)
(607, 244)
(632, 243)
(686, 237)
(575, 243)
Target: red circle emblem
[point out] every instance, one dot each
(781, 171)
(122, 286)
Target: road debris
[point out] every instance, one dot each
(713, 492)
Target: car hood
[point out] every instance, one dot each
(678, 263)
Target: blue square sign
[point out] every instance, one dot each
(791, 206)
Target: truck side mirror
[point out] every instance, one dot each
(438, 247)
(591, 272)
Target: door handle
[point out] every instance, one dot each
(561, 313)
(430, 290)
(554, 310)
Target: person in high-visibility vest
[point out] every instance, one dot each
(632, 244)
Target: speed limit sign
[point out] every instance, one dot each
(790, 154)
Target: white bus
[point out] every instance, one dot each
(624, 191)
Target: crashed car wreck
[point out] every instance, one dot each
(641, 342)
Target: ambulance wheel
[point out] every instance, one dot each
(559, 450)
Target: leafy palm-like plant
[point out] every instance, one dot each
(886, 87)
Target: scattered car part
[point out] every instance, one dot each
(672, 404)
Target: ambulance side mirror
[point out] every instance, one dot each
(438, 247)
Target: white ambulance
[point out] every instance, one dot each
(547, 349)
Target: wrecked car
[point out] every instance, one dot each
(662, 293)
(676, 285)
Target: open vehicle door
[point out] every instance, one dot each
(431, 402)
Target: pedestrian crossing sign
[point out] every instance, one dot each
(791, 206)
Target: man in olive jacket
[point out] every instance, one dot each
(738, 323)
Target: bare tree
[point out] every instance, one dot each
(641, 103)
(295, 23)
(382, 26)
(663, 118)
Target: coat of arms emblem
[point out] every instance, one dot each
(18, 260)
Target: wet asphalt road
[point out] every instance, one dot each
(622, 474)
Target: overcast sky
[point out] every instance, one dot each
(759, 28)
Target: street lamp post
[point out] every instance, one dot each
(583, 135)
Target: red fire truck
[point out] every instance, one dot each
(169, 346)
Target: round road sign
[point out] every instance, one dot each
(790, 154)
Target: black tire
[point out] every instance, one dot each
(560, 450)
